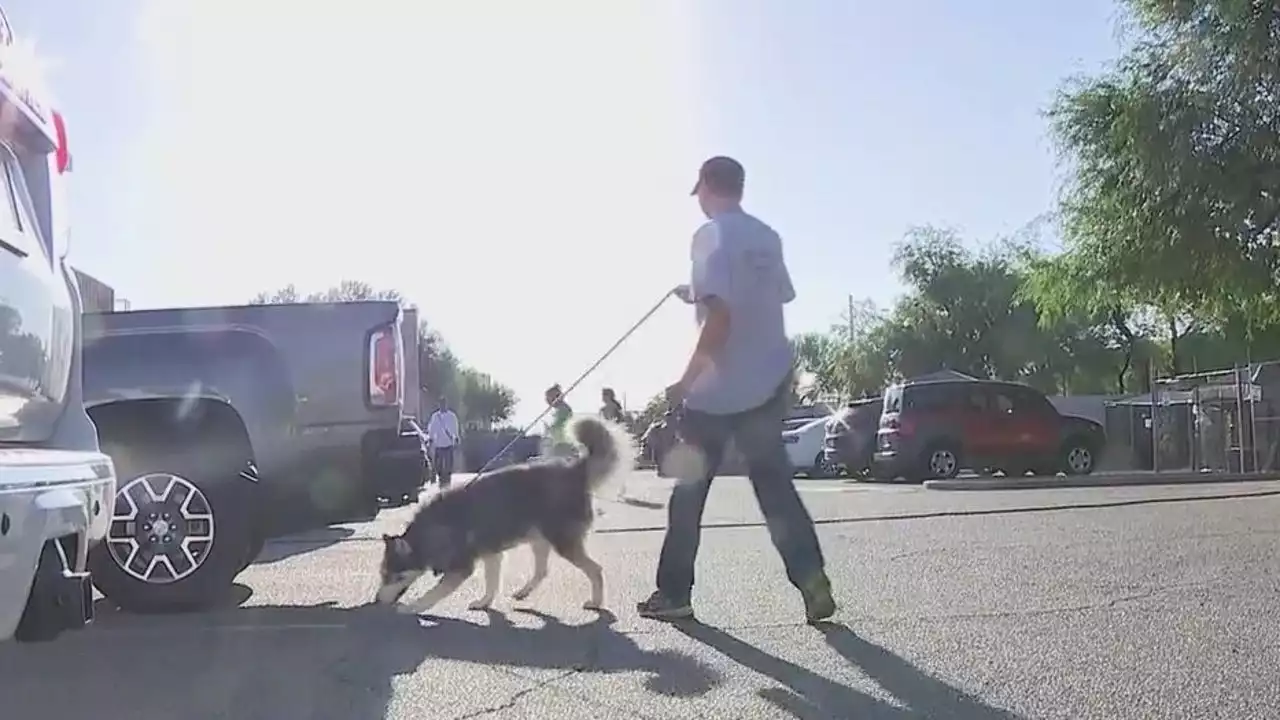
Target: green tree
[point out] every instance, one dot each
(965, 309)
(345, 291)
(653, 409)
(1173, 202)
(481, 400)
(850, 359)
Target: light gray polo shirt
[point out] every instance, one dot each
(739, 259)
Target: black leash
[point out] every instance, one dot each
(581, 377)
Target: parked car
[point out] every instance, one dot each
(850, 438)
(241, 424)
(935, 429)
(55, 484)
(803, 439)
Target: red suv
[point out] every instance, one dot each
(934, 429)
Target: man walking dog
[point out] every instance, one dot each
(736, 385)
(443, 434)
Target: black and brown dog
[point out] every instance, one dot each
(546, 504)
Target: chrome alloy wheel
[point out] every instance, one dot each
(161, 528)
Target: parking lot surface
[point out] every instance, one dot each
(1152, 602)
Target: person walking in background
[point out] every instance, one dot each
(611, 409)
(557, 430)
(444, 435)
(736, 386)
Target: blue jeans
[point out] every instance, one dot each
(757, 434)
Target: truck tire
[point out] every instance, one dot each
(182, 527)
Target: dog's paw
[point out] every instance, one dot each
(593, 605)
(481, 604)
(522, 594)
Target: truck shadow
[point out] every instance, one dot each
(318, 661)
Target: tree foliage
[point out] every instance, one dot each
(479, 400)
(650, 413)
(975, 309)
(1172, 211)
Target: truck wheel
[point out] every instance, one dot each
(181, 529)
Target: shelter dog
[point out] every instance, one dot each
(545, 503)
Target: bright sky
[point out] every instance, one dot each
(521, 170)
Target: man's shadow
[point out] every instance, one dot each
(809, 696)
(321, 661)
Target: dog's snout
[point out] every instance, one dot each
(394, 587)
(389, 594)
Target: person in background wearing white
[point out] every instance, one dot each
(444, 436)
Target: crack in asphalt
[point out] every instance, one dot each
(589, 664)
(515, 697)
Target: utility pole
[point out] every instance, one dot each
(850, 318)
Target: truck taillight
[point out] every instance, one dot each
(62, 154)
(385, 367)
(898, 425)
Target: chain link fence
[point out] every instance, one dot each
(1222, 421)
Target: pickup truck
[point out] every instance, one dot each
(232, 425)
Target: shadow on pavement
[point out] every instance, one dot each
(321, 661)
(641, 503)
(289, 546)
(595, 647)
(106, 611)
(809, 696)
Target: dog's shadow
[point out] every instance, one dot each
(319, 661)
(595, 647)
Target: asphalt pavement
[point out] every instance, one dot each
(1108, 603)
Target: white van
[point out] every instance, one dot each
(55, 485)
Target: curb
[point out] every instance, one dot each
(1094, 481)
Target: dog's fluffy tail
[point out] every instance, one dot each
(608, 449)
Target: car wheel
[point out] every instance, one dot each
(821, 468)
(182, 528)
(1078, 458)
(941, 462)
